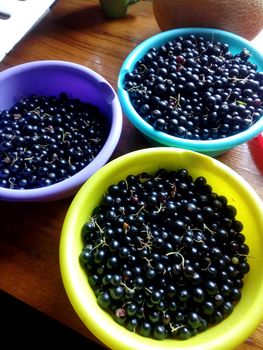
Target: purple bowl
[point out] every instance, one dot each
(51, 78)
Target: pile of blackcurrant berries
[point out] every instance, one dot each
(44, 140)
(196, 89)
(164, 254)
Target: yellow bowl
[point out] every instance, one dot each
(248, 313)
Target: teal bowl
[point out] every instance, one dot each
(208, 147)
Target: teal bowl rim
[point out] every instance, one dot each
(218, 145)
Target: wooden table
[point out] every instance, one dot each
(29, 233)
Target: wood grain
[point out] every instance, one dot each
(29, 233)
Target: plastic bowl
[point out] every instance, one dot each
(49, 78)
(213, 147)
(247, 314)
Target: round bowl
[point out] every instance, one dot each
(50, 78)
(213, 147)
(247, 314)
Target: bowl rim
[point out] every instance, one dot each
(164, 138)
(98, 326)
(68, 186)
